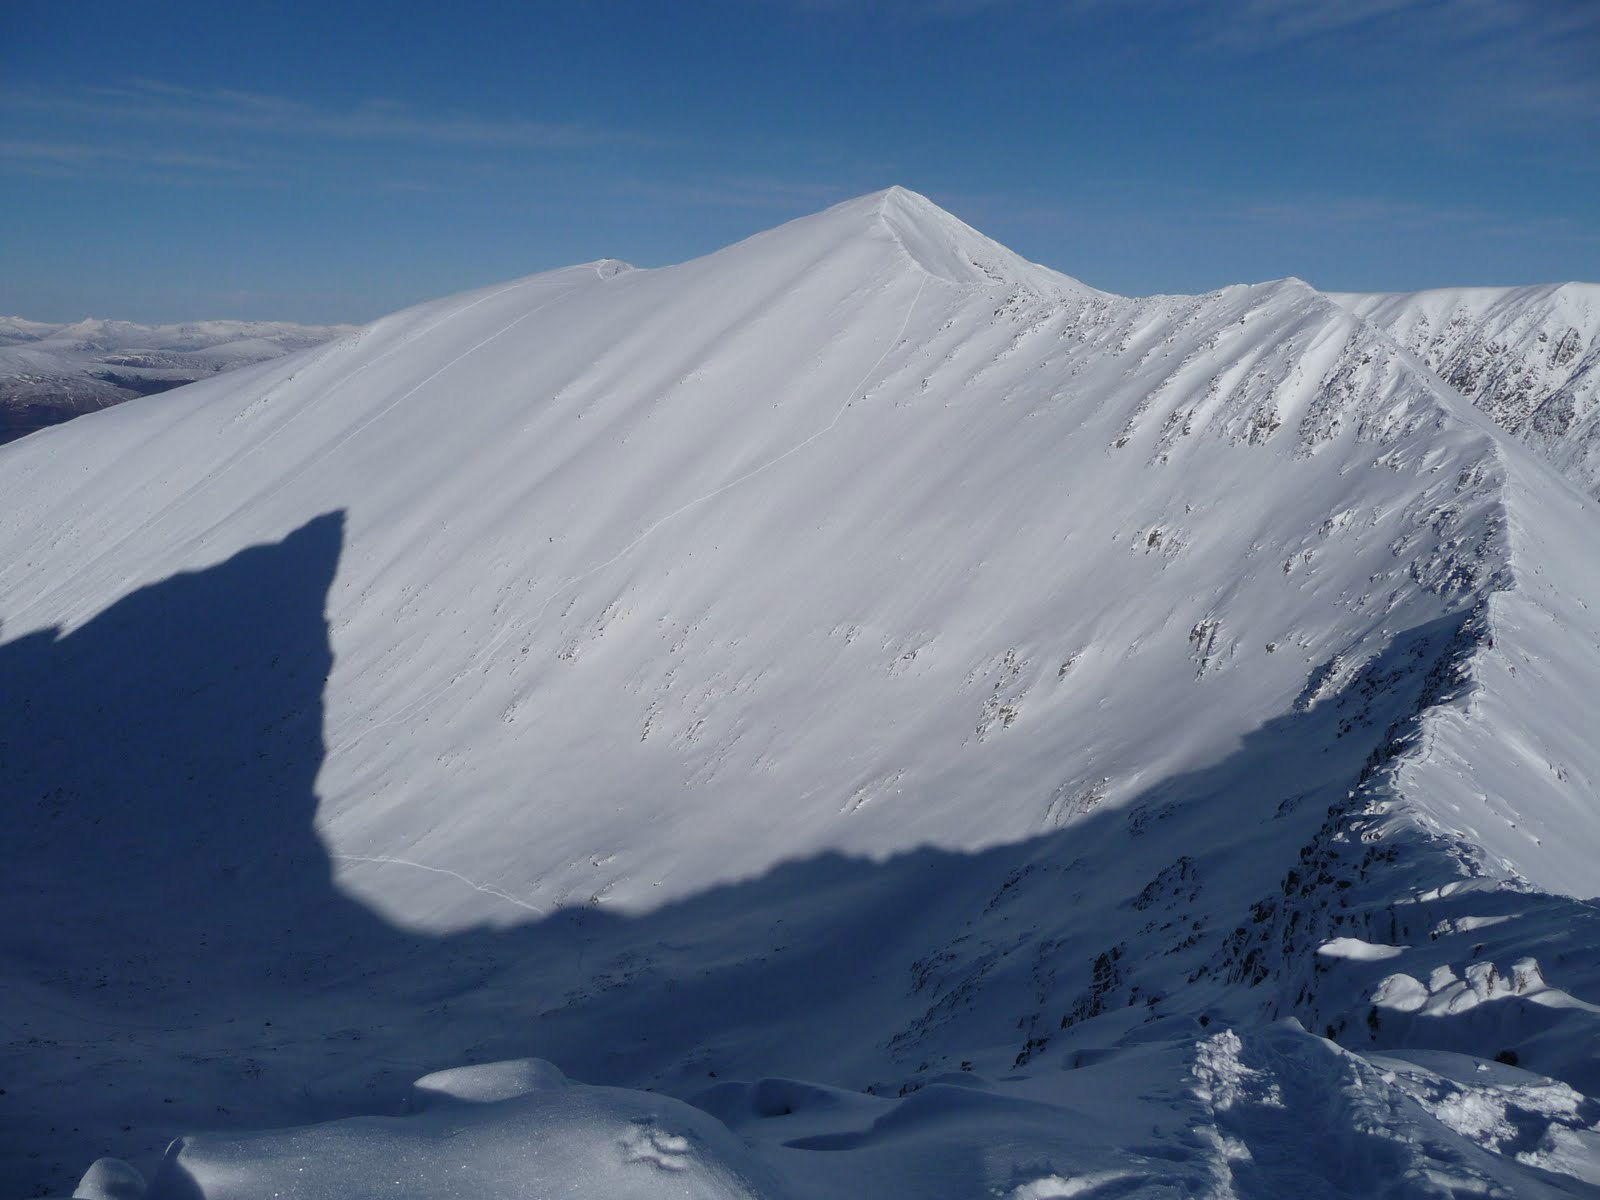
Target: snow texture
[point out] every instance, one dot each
(886, 717)
(1529, 357)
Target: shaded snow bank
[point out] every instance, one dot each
(1234, 1116)
(509, 1130)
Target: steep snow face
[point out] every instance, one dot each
(604, 666)
(953, 251)
(1507, 770)
(1528, 356)
(798, 547)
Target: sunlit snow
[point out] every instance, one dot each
(854, 715)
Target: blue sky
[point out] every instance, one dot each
(337, 160)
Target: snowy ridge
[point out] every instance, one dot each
(1529, 357)
(953, 251)
(602, 667)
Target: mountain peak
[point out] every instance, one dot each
(947, 248)
(938, 243)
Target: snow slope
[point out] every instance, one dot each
(51, 373)
(957, 729)
(1528, 356)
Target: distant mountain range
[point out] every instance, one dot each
(52, 373)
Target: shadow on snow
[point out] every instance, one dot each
(178, 957)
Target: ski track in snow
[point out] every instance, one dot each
(485, 888)
(494, 645)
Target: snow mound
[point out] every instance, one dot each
(488, 1082)
(110, 1179)
(549, 1138)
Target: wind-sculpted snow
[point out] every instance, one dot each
(540, 1137)
(1529, 357)
(958, 731)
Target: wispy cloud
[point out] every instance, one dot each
(1560, 230)
(1514, 59)
(72, 159)
(904, 10)
(1260, 24)
(1377, 215)
(1531, 56)
(1347, 214)
(150, 131)
(154, 102)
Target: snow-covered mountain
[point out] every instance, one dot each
(52, 373)
(1528, 356)
(888, 718)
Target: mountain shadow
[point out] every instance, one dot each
(158, 766)
(179, 958)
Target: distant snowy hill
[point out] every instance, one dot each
(854, 715)
(1528, 356)
(52, 373)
